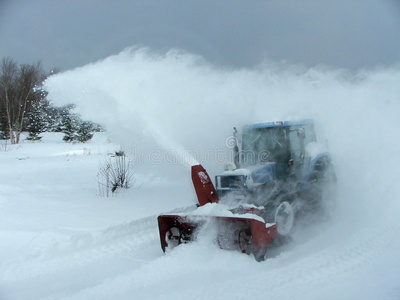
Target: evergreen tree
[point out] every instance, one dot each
(70, 128)
(85, 131)
(37, 120)
(68, 123)
(53, 117)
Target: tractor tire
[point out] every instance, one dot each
(284, 218)
(319, 197)
(260, 255)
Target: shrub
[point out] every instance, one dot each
(114, 173)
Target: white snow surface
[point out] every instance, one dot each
(61, 240)
(219, 210)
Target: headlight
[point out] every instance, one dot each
(231, 182)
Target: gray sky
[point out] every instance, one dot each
(349, 34)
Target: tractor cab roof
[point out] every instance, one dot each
(279, 124)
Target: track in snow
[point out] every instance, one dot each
(126, 259)
(101, 255)
(310, 268)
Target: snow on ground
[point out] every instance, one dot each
(62, 240)
(53, 219)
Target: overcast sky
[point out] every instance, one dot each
(349, 34)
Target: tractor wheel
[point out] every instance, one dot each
(260, 255)
(187, 234)
(321, 192)
(173, 237)
(284, 218)
(245, 242)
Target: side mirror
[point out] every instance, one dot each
(301, 134)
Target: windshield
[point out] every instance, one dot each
(263, 145)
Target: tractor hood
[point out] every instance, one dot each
(249, 177)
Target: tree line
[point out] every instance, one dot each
(24, 107)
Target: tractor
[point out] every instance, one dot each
(279, 174)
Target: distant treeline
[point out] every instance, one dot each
(24, 107)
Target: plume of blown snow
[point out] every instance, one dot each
(175, 109)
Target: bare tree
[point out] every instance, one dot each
(8, 74)
(20, 87)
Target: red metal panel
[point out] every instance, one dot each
(262, 236)
(203, 185)
(230, 227)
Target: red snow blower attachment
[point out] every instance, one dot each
(246, 232)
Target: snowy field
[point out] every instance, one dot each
(60, 239)
(58, 233)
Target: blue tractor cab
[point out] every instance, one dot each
(276, 162)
